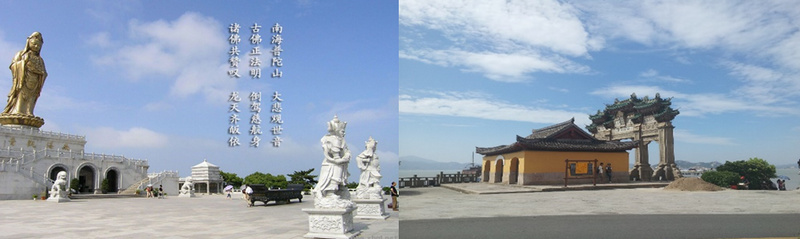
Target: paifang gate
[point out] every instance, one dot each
(644, 120)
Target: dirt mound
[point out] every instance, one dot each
(692, 184)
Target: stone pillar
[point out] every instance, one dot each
(666, 145)
(642, 159)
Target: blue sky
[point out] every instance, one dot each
(148, 79)
(478, 73)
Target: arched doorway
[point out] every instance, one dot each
(54, 172)
(113, 180)
(513, 172)
(498, 172)
(86, 179)
(486, 166)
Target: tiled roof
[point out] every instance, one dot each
(546, 139)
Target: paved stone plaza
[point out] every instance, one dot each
(201, 217)
(442, 203)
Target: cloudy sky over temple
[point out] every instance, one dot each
(149, 80)
(478, 73)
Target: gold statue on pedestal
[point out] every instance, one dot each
(28, 75)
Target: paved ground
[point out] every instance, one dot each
(201, 217)
(443, 203)
(680, 226)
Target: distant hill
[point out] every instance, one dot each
(686, 164)
(418, 163)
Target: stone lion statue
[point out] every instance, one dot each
(60, 185)
(188, 186)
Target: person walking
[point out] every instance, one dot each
(600, 171)
(394, 196)
(160, 191)
(608, 172)
(248, 192)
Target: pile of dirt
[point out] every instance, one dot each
(692, 184)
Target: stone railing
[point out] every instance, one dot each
(415, 182)
(457, 178)
(42, 133)
(441, 178)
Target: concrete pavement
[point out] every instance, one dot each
(443, 203)
(206, 216)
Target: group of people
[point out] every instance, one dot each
(781, 185)
(152, 193)
(604, 170)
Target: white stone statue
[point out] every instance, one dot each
(58, 192)
(330, 191)
(369, 186)
(187, 190)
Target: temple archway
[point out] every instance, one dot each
(513, 171)
(498, 171)
(641, 120)
(113, 180)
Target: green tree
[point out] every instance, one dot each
(231, 178)
(352, 185)
(267, 179)
(104, 186)
(721, 178)
(304, 177)
(756, 170)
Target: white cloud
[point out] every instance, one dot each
(9, 49)
(698, 104)
(688, 137)
(100, 39)
(137, 137)
(504, 40)
(477, 105)
(185, 51)
(505, 67)
(653, 74)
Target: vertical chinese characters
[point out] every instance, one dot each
(255, 119)
(234, 40)
(276, 110)
(277, 61)
(233, 122)
(255, 62)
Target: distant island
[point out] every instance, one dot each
(419, 163)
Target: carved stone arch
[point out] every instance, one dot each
(644, 120)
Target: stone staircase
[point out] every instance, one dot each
(135, 186)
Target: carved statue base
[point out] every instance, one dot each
(371, 209)
(330, 223)
(369, 193)
(58, 197)
(186, 194)
(18, 119)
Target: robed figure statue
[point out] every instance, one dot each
(28, 75)
(330, 191)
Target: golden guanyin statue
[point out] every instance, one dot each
(28, 75)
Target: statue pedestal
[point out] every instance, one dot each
(186, 195)
(330, 223)
(54, 197)
(371, 209)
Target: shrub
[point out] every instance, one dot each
(755, 170)
(104, 186)
(721, 178)
(73, 184)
